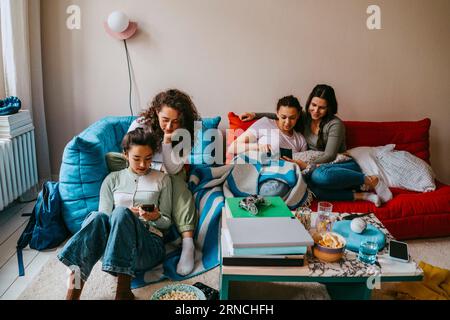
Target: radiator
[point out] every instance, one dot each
(18, 170)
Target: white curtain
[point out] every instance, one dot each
(21, 44)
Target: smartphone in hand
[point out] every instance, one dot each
(148, 207)
(285, 153)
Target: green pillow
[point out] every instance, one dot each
(116, 161)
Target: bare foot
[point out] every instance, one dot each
(370, 182)
(75, 287)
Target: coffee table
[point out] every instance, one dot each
(347, 279)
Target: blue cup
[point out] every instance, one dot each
(368, 250)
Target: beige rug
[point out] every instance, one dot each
(50, 283)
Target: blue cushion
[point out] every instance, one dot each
(354, 239)
(201, 151)
(84, 167)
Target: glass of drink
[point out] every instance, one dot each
(368, 250)
(325, 218)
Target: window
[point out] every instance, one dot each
(2, 70)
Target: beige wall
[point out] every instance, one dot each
(234, 55)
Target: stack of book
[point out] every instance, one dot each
(15, 124)
(274, 237)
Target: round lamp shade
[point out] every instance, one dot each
(118, 21)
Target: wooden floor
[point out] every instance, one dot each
(12, 223)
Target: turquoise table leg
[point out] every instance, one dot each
(348, 291)
(224, 286)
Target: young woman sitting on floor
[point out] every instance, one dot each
(129, 238)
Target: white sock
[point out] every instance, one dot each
(186, 263)
(372, 197)
(383, 191)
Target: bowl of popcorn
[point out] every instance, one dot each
(178, 292)
(328, 246)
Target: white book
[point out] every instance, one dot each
(15, 125)
(227, 246)
(268, 232)
(16, 117)
(16, 132)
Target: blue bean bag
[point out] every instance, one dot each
(84, 167)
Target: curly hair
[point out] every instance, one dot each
(174, 99)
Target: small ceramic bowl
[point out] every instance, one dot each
(178, 287)
(328, 254)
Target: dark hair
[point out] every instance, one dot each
(289, 101)
(325, 92)
(175, 99)
(292, 102)
(139, 137)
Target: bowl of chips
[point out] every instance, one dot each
(179, 292)
(328, 246)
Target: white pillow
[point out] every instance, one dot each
(405, 170)
(399, 169)
(366, 159)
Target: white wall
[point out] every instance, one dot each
(235, 55)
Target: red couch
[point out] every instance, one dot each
(409, 214)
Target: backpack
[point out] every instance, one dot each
(46, 228)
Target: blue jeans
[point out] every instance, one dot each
(336, 181)
(121, 238)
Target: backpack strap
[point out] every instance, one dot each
(27, 234)
(20, 262)
(24, 240)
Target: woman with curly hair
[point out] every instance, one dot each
(168, 111)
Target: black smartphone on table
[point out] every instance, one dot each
(285, 153)
(148, 207)
(399, 251)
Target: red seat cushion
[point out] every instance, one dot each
(411, 136)
(237, 125)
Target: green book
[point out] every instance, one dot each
(277, 208)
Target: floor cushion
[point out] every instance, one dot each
(83, 167)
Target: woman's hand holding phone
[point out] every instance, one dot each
(149, 215)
